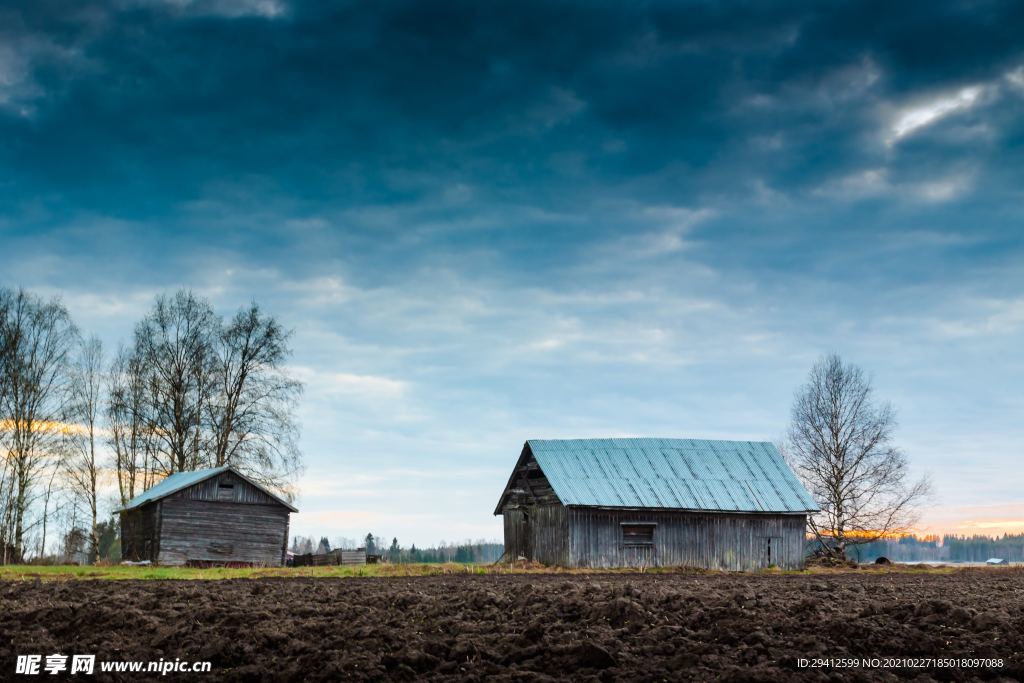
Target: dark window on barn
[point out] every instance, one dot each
(638, 534)
(225, 491)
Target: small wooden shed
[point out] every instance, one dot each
(655, 502)
(205, 517)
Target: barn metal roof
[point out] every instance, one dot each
(689, 474)
(182, 480)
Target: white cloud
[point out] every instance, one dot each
(670, 226)
(19, 58)
(879, 182)
(917, 116)
(323, 383)
(130, 305)
(231, 9)
(870, 182)
(319, 291)
(990, 317)
(16, 87)
(943, 189)
(1016, 78)
(546, 344)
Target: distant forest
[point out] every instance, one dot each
(944, 549)
(480, 552)
(907, 549)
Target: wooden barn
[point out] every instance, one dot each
(215, 516)
(655, 502)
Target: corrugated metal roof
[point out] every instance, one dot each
(173, 483)
(692, 474)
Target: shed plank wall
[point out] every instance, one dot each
(207, 531)
(140, 539)
(694, 539)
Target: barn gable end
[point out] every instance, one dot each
(535, 521)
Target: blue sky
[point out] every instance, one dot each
(493, 222)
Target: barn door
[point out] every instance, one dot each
(639, 556)
(772, 551)
(525, 537)
(638, 549)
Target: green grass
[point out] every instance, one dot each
(121, 572)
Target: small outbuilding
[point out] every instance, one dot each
(655, 502)
(206, 517)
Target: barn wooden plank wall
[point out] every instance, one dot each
(537, 532)
(588, 537)
(687, 539)
(208, 531)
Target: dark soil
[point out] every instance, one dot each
(530, 627)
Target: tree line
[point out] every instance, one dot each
(190, 390)
(478, 552)
(948, 548)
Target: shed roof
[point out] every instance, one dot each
(182, 480)
(685, 474)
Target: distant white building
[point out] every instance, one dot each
(995, 560)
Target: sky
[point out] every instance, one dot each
(488, 222)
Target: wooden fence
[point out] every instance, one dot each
(334, 557)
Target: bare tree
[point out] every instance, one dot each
(38, 337)
(83, 465)
(841, 444)
(250, 413)
(211, 393)
(6, 345)
(129, 439)
(55, 468)
(6, 474)
(174, 346)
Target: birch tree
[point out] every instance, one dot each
(129, 438)
(174, 346)
(6, 475)
(841, 444)
(39, 337)
(84, 464)
(251, 412)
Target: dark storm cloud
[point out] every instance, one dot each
(138, 106)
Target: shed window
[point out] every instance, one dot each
(638, 534)
(225, 491)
